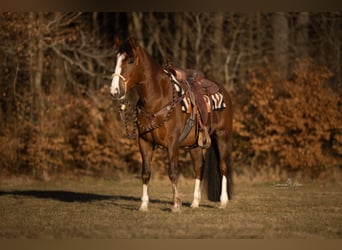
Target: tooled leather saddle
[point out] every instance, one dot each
(197, 86)
(196, 78)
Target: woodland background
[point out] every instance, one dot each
(283, 71)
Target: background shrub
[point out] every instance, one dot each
(292, 123)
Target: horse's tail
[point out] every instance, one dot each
(212, 177)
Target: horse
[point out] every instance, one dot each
(161, 122)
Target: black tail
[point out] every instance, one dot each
(212, 177)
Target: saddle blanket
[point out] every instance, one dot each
(214, 102)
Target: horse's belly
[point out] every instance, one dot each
(190, 140)
(165, 135)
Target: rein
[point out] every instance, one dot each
(166, 111)
(125, 106)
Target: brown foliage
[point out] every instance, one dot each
(294, 123)
(96, 137)
(77, 133)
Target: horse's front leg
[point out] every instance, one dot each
(146, 150)
(173, 175)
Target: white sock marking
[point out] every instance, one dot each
(224, 194)
(197, 193)
(145, 193)
(144, 198)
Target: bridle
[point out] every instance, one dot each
(119, 75)
(125, 106)
(125, 84)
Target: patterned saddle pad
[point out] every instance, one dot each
(214, 101)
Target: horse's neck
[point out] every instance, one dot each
(155, 90)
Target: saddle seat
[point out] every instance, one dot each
(195, 77)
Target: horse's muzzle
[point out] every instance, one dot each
(114, 96)
(117, 96)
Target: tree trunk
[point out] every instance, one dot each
(183, 47)
(137, 26)
(177, 49)
(338, 34)
(37, 59)
(280, 42)
(302, 34)
(218, 56)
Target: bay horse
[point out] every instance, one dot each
(161, 121)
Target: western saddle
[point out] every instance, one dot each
(196, 86)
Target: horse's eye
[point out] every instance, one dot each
(130, 60)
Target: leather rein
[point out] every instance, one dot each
(165, 112)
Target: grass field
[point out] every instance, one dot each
(100, 208)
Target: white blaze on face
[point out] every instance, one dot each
(115, 87)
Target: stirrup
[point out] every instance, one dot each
(204, 140)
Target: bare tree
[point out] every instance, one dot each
(136, 26)
(302, 34)
(218, 53)
(280, 41)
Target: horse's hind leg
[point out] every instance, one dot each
(224, 152)
(146, 150)
(197, 159)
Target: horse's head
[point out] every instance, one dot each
(127, 70)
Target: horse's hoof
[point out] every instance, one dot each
(194, 205)
(143, 209)
(223, 205)
(176, 210)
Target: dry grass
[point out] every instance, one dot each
(98, 208)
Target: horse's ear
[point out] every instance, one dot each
(133, 42)
(117, 41)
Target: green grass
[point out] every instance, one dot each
(99, 208)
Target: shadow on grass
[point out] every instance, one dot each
(69, 196)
